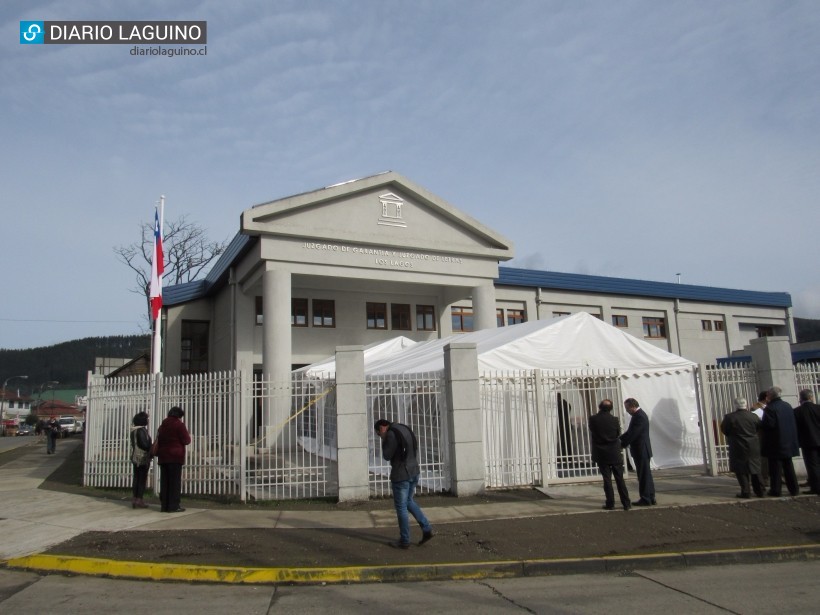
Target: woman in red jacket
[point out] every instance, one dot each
(172, 438)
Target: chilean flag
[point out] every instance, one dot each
(157, 268)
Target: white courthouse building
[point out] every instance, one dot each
(375, 258)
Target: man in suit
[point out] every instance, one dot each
(740, 428)
(780, 443)
(604, 429)
(636, 438)
(807, 417)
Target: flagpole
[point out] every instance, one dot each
(156, 346)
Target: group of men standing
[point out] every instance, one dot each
(770, 437)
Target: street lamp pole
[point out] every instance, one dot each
(3, 401)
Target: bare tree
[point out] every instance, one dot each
(188, 253)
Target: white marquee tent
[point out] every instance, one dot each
(663, 383)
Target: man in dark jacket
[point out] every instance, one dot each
(637, 439)
(807, 417)
(604, 429)
(780, 443)
(741, 428)
(400, 448)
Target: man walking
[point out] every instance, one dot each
(604, 429)
(780, 443)
(807, 417)
(400, 447)
(740, 428)
(636, 438)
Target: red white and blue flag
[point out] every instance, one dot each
(157, 268)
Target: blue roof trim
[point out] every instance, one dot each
(509, 276)
(189, 291)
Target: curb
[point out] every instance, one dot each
(406, 573)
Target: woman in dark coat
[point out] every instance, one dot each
(140, 458)
(172, 438)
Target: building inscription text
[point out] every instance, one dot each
(384, 258)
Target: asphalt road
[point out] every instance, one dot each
(762, 588)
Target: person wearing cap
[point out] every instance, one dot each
(604, 429)
(741, 428)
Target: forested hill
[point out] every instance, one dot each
(68, 362)
(807, 329)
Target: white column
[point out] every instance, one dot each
(484, 307)
(276, 343)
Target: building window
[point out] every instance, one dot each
(765, 331)
(559, 314)
(706, 325)
(462, 319)
(719, 325)
(259, 312)
(324, 313)
(298, 312)
(194, 347)
(400, 317)
(376, 315)
(499, 317)
(516, 317)
(619, 320)
(654, 327)
(425, 318)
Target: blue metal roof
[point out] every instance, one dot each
(509, 276)
(189, 291)
(552, 280)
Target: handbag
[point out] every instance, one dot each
(139, 457)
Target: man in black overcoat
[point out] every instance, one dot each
(741, 428)
(807, 417)
(780, 443)
(636, 438)
(604, 429)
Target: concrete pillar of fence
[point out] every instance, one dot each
(772, 357)
(464, 419)
(351, 425)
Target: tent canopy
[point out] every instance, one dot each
(577, 341)
(374, 353)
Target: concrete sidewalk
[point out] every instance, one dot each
(33, 520)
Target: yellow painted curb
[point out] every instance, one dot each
(377, 574)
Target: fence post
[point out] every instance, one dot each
(543, 430)
(772, 357)
(464, 419)
(243, 429)
(351, 425)
(706, 417)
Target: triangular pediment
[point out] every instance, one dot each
(381, 210)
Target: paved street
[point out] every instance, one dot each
(762, 588)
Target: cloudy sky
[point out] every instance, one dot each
(633, 139)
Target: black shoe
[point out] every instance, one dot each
(426, 536)
(176, 510)
(627, 506)
(398, 545)
(654, 502)
(772, 494)
(641, 503)
(745, 496)
(608, 507)
(809, 492)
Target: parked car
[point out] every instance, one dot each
(24, 430)
(68, 425)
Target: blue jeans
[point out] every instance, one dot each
(403, 491)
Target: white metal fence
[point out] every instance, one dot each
(249, 437)
(720, 385)
(418, 401)
(536, 424)
(807, 376)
